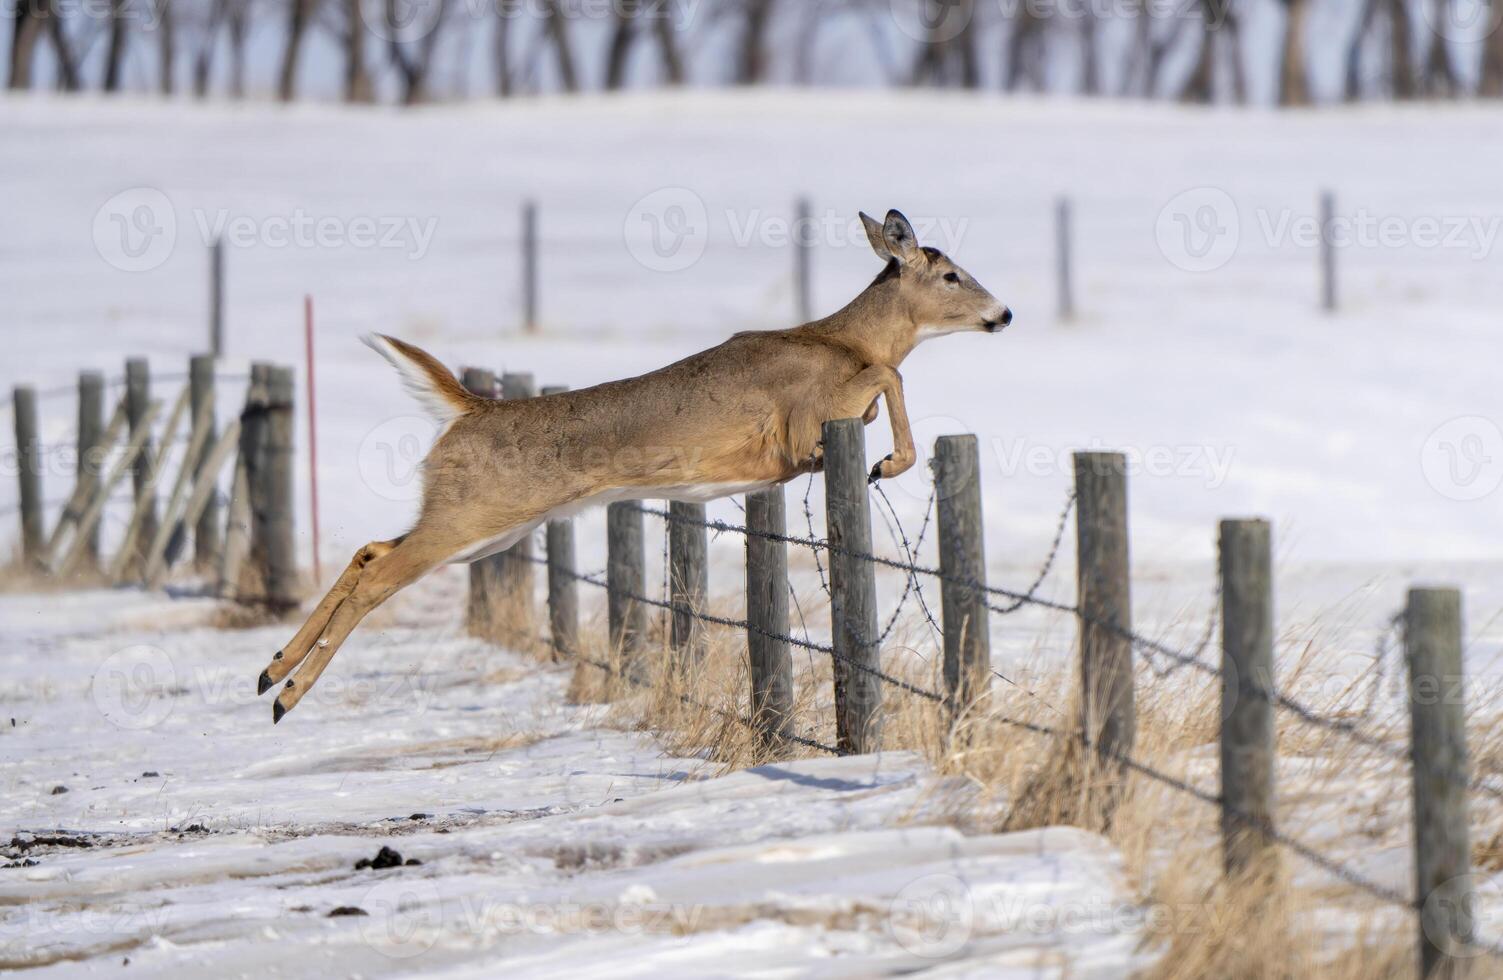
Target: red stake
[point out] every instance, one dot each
(318, 574)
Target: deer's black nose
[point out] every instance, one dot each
(1006, 316)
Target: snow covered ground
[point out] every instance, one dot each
(1371, 437)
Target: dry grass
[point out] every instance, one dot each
(1269, 923)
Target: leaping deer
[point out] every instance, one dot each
(740, 416)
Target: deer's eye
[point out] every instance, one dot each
(951, 277)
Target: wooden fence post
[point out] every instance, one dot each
(962, 560)
(29, 468)
(206, 534)
(275, 489)
(1066, 298)
(767, 612)
(216, 300)
(1442, 851)
(689, 580)
(1247, 686)
(514, 567)
(480, 612)
(530, 266)
(626, 578)
(1105, 600)
(563, 587)
(137, 398)
(803, 245)
(91, 448)
(1327, 252)
(853, 589)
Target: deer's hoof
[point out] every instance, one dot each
(263, 683)
(277, 711)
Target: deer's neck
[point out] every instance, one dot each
(876, 324)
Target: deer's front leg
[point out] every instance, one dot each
(857, 396)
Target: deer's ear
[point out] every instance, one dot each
(898, 236)
(874, 235)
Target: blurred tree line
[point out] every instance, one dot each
(1284, 52)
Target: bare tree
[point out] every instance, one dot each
(30, 20)
(206, 35)
(349, 28)
(299, 16)
(237, 18)
(946, 59)
(1491, 83)
(1025, 50)
(114, 56)
(1400, 49)
(413, 60)
(1294, 88)
(166, 45)
(1436, 70)
(557, 30)
(752, 58)
(501, 52)
(1366, 18)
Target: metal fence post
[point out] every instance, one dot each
(1104, 594)
(1442, 849)
(1247, 685)
(1327, 251)
(563, 587)
(1062, 236)
(803, 245)
(767, 611)
(689, 580)
(853, 589)
(216, 299)
(962, 560)
(29, 460)
(530, 266)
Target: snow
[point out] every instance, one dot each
(1235, 393)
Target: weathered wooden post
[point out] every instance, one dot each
(689, 580)
(1327, 251)
(29, 468)
(1247, 686)
(1442, 849)
(216, 299)
(480, 611)
(1105, 600)
(137, 399)
(563, 586)
(962, 561)
(273, 486)
(91, 450)
(514, 576)
(853, 589)
(626, 577)
(803, 246)
(1062, 238)
(530, 266)
(767, 612)
(206, 534)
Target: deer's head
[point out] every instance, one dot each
(938, 296)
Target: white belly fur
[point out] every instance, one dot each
(694, 493)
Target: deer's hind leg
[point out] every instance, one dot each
(379, 571)
(285, 660)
